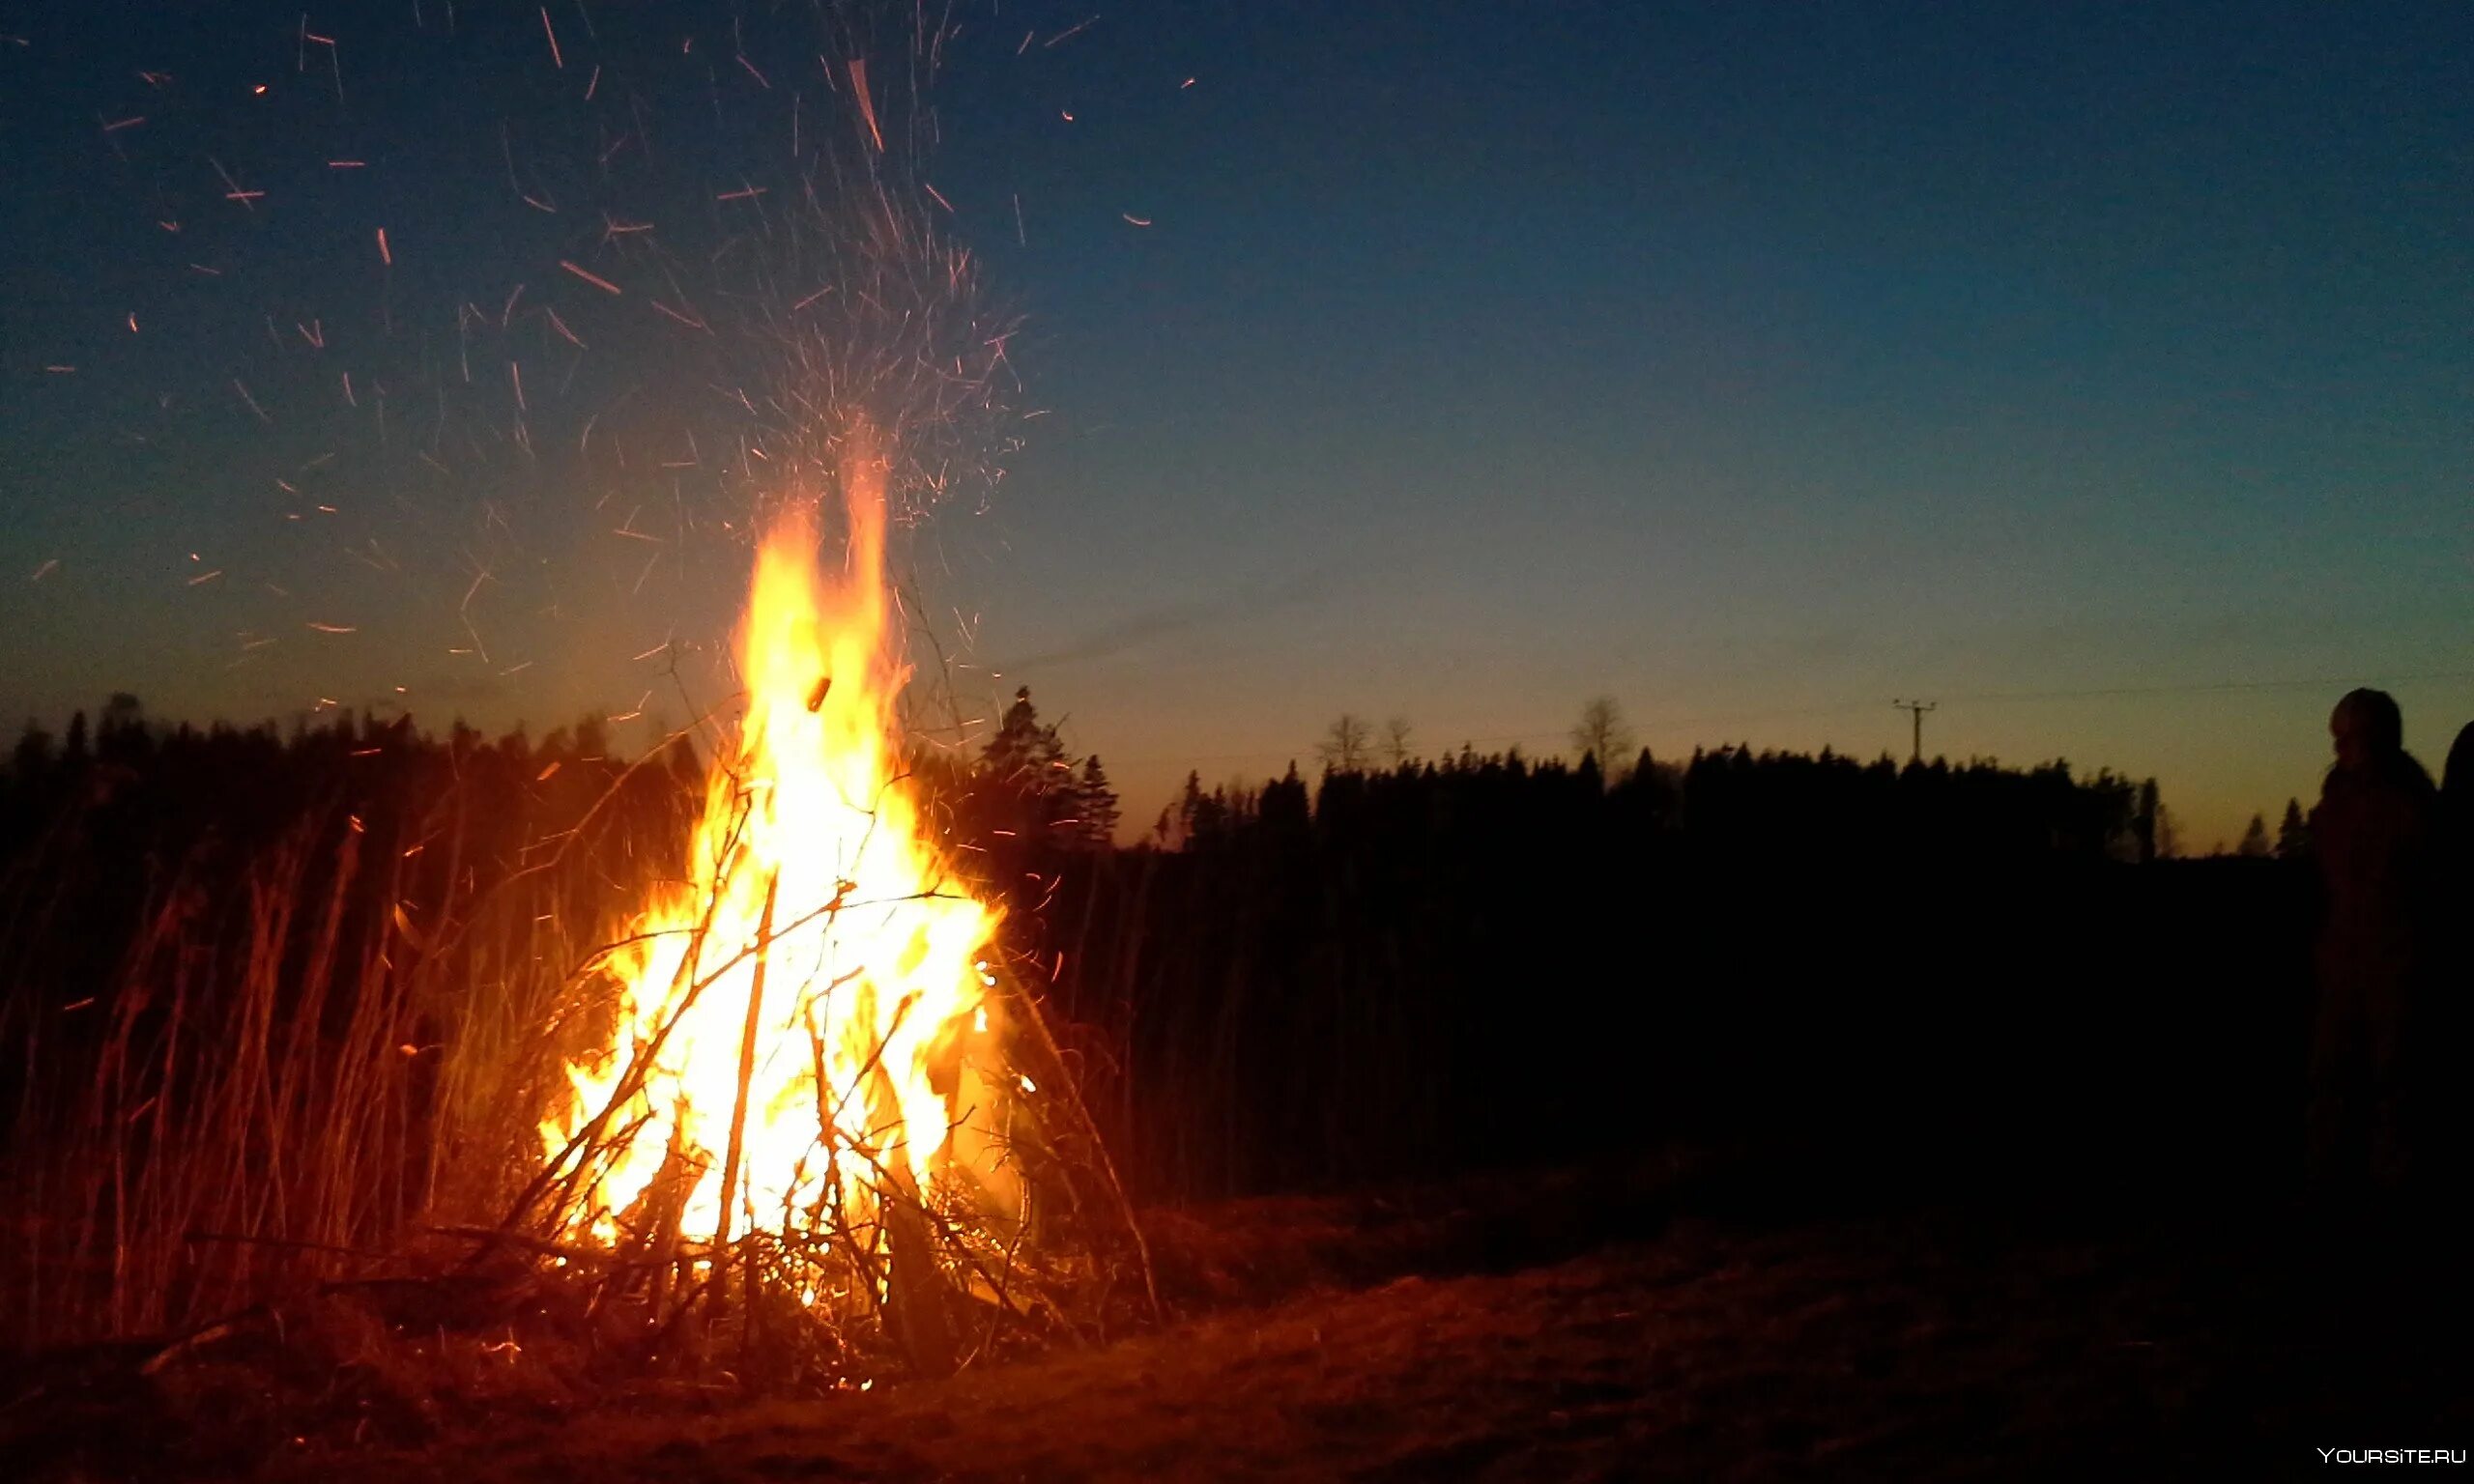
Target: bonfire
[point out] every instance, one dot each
(809, 1070)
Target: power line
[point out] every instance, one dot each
(1916, 710)
(2330, 681)
(1669, 728)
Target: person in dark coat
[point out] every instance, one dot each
(2457, 790)
(2450, 989)
(2376, 834)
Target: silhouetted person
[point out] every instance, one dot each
(2452, 980)
(2375, 832)
(2457, 791)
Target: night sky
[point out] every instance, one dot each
(2102, 372)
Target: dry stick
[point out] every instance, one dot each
(739, 1108)
(1108, 1166)
(898, 1189)
(488, 1235)
(1022, 1229)
(452, 937)
(641, 1065)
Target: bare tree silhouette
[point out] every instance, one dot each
(1602, 732)
(1395, 740)
(1347, 745)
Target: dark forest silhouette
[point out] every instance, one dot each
(1385, 971)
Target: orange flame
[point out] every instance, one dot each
(820, 953)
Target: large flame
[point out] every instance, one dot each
(820, 968)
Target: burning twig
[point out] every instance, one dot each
(746, 1075)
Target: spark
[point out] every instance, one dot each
(744, 193)
(347, 164)
(753, 72)
(205, 577)
(591, 278)
(1068, 34)
(334, 628)
(117, 125)
(1139, 221)
(867, 106)
(812, 298)
(385, 255)
(348, 396)
(676, 315)
(53, 565)
(939, 197)
(515, 374)
(595, 83)
(233, 188)
(555, 60)
(132, 322)
(252, 401)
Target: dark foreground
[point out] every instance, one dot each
(1610, 1328)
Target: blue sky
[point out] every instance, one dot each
(1753, 365)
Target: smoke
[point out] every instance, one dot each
(1251, 602)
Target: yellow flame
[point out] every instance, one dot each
(875, 1068)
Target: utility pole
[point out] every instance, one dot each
(1916, 710)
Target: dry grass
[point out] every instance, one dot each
(281, 1074)
(317, 1070)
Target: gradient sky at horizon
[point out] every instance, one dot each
(1753, 365)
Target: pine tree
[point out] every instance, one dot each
(1022, 750)
(2255, 840)
(2294, 835)
(33, 751)
(2146, 819)
(1031, 783)
(1097, 805)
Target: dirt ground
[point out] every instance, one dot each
(1360, 1340)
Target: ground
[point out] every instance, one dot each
(1519, 1334)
